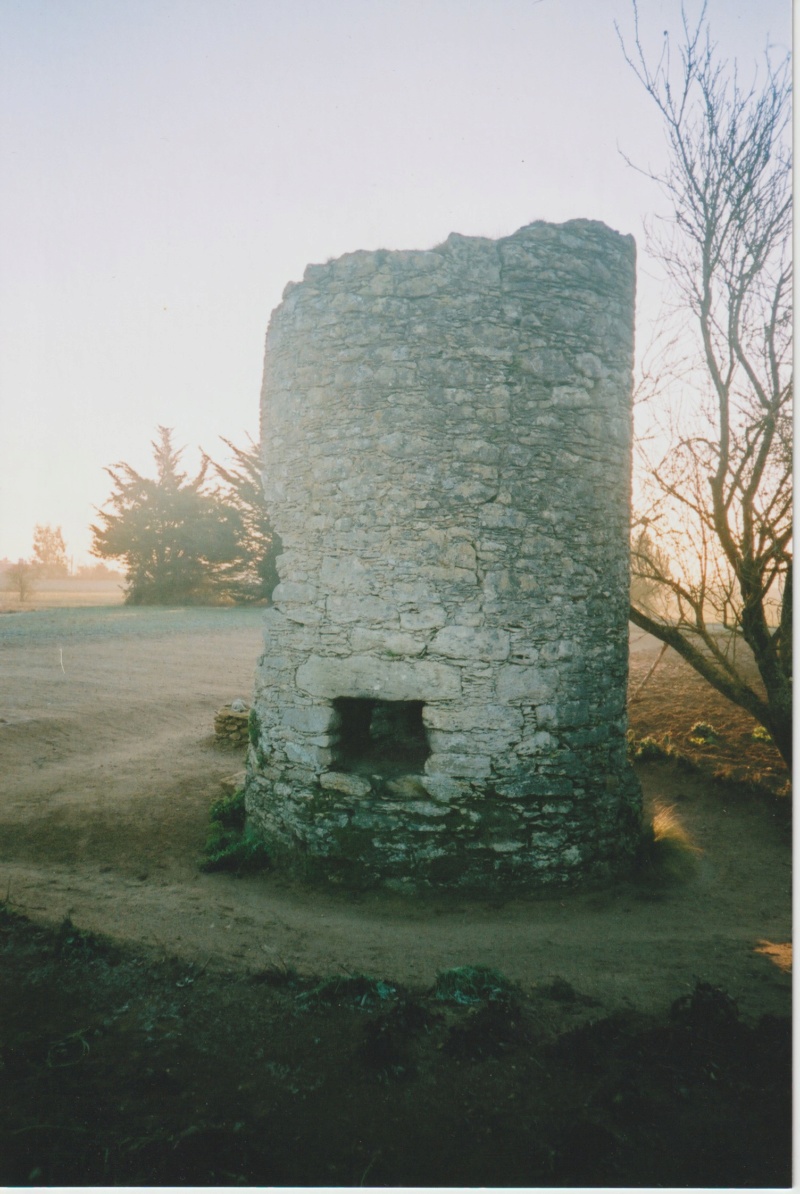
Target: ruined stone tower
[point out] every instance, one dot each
(441, 700)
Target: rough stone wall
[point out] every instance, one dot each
(447, 462)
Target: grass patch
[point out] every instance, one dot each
(667, 854)
(472, 984)
(231, 845)
(667, 827)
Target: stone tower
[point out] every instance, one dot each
(447, 438)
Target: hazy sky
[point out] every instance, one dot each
(169, 165)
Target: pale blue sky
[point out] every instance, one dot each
(169, 165)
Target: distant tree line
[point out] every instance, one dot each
(49, 552)
(186, 539)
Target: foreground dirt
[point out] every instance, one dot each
(119, 1069)
(109, 768)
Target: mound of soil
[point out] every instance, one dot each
(122, 1069)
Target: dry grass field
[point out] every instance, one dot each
(178, 1001)
(63, 593)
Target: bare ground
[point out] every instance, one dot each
(109, 768)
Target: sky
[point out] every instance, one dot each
(169, 165)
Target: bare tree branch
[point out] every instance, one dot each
(712, 556)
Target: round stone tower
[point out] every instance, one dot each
(447, 439)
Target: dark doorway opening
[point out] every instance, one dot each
(379, 736)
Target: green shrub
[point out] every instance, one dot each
(231, 845)
(241, 851)
(229, 811)
(761, 734)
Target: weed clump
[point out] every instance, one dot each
(472, 984)
(703, 733)
(761, 734)
(231, 845)
(359, 990)
(649, 749)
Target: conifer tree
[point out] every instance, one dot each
(176, 537)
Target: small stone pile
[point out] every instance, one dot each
(231, 723)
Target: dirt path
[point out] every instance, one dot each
(109, 767)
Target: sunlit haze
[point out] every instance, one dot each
(169, 165)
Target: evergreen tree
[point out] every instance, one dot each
(253, 575)
(175, 537)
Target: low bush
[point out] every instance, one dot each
(231, 845)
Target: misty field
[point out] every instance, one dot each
(61, 592)
(169, 1031)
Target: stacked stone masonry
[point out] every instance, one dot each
(447, 438)
(231, 725)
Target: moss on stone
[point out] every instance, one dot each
(254, 730)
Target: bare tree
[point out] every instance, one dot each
(21, 577)
(720, 493)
